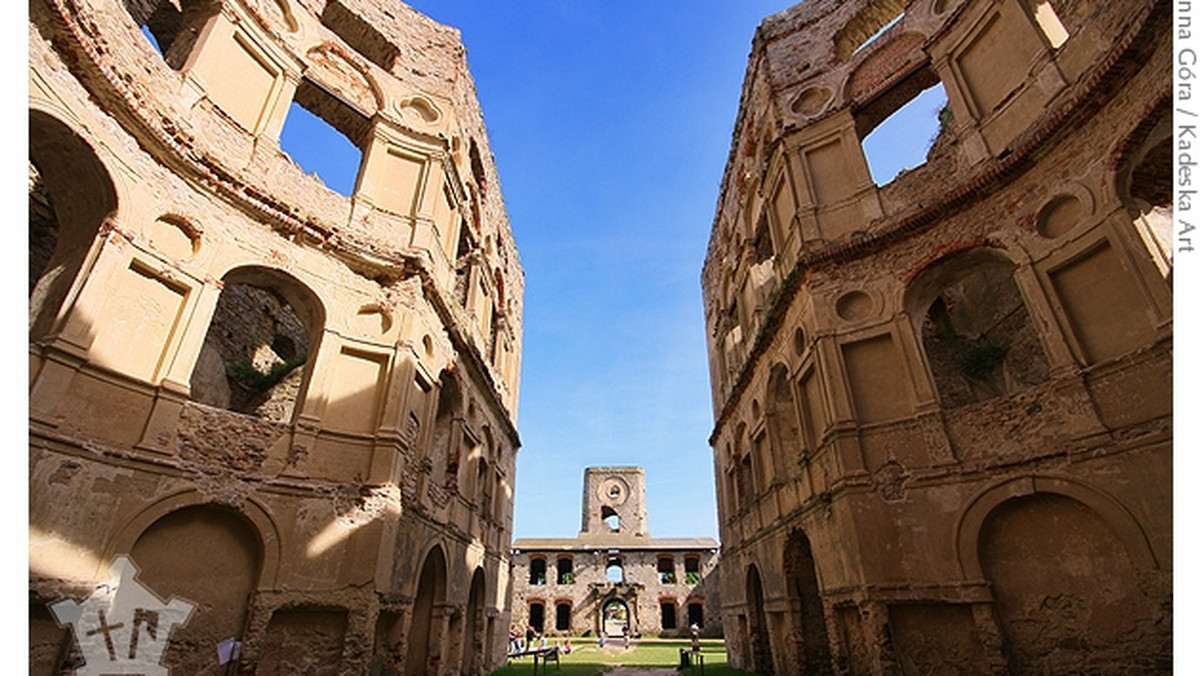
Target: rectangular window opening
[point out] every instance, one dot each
(562, 617)
(325, 136)
(900, 128)
(668, 615)
(566, 572)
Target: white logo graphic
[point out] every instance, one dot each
(123, 627)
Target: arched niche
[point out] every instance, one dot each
(783, 422)
(71, 195)
(1069, 574)
(209, 555)
(977, 335)
(257, 354)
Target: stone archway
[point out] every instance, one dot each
(425, 635)
(761, 660)
(473, 658)
(806, 607)
(614, 618)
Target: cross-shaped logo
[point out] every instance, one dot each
(123, 627)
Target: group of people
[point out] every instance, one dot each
(531, 640)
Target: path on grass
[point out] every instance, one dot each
(642, 671)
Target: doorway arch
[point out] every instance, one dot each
(428, 606)
(614, 617)
(761, 660)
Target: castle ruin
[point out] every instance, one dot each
(943, 404)
(614, 578)
(290, 407)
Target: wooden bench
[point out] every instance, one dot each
(544, 655)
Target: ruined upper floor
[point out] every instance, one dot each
(206, 87)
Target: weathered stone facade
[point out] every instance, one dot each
(292, 407)
(943, 405)
(614, 574)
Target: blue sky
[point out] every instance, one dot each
(610, 122)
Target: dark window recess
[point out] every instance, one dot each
(537, 617)
(537, 571)
(668, 615)
(696, 614)
(562, 617)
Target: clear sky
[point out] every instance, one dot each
(610, 122)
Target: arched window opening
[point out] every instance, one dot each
(487, 477)
(695, 613)
(901, 128)
(745, 479)
(324, 136)
(614, 569)
(666, 570)
(566, 571)
(255, 357)
(1146, 187)
(172, 26)
(477, 171)
(537, 571)
(562, 617)
(979, 339)
(610, 518)
(465, 259)
(211, 556)
(70, 196)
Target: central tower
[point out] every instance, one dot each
(614, 501)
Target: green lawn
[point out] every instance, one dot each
(588, 659)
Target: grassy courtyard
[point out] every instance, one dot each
(588, 659)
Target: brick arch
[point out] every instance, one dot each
(1124, 525)
(82, 198)
(268, 321)
(972, 320)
